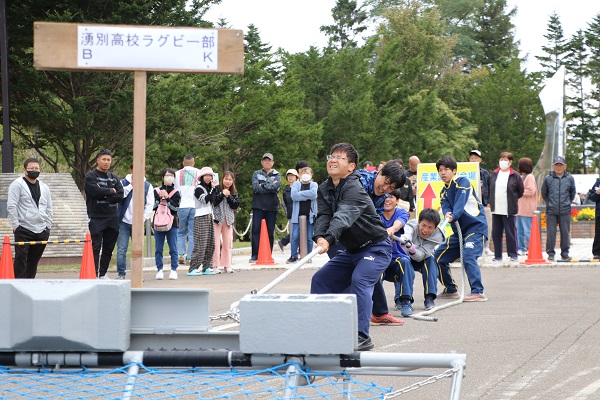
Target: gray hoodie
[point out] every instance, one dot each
(425, 246)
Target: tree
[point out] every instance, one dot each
(508, 114)
(578, 106)
(592, 40)
(418, 89)
(556, 48)
(494, 31)
(78, 113)
(349, 19)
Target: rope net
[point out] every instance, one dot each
(136, 381)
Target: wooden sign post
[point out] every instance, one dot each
(85, 47)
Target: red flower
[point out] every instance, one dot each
(574, 212)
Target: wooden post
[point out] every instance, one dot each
(139, 170)
(85, 47)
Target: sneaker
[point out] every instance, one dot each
(385, 319)
(280, 244)
(216, 270)
(497, 259)
(567, 258)
(488, 252)
(522, 252)
(364, 342)
(252, 260)
(120, 277)
(160, 275)
(473, 297)
(104, 277)
(208, 271)
(195, 272)
(429, 304)
(405, 308)
(182, 258)
(228, 271)
(173, 275)
(291, 260)
(550, 258)
(514, 259)
(447, 295)
(190, 269)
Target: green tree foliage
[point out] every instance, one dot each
(578, 105)
(556, 48)
(494, 31)
(78, 113)
(507, 111)
(348, 24)
(417, 87)
(592, 40)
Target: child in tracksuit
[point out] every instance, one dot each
(204, 234)
(463, 209)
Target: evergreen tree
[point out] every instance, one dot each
(494, 31)
(556, 48)
(578, 106)
(348, 24)
(592, 40)
(506, 109)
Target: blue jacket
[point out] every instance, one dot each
(368, 181)
(595, 197)
(303, 195)
(459, 198)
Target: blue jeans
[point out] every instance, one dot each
(159, 238)
(122, 245)
(357, 274)
(296, 238)
(186, 230)
(450, 251)
(523, 232)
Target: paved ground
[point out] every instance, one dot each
(536, 337)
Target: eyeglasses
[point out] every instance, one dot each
(332, 157)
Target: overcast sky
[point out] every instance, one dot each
(294, 25)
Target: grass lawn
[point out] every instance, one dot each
(236, 245)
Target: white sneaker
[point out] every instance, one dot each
(173, 275)
(488, 252)
(104, 277)
(160, 275)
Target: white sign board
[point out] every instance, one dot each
(147, 48)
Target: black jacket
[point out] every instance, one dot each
(347, 214)
(100, 198)
(558, 193)
(514, 191)
(287, 201)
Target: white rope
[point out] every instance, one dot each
(247, 228)
(284, 228)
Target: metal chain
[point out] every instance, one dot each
(225, 316)
(418, 385)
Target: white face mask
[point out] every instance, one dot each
(169, 180)
(503, 164)
(306, 177)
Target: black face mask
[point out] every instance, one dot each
(33, 174)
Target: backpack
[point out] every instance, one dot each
(163, 219)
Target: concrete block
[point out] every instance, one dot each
(64, 315)
(298, 324)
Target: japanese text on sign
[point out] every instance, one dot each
(147, 48)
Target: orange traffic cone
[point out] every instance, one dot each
(265, 256)
(88, 270)
(534, 254)
(7, 270)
